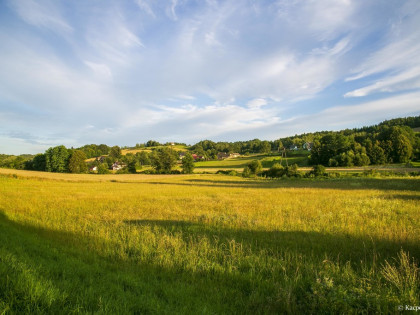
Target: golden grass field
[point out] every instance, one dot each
(207, 244)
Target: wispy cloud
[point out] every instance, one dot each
(145, 7)
(43, 14)
(395, 64)
(186, 69)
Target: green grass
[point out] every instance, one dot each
(207, 244)
(266, 160)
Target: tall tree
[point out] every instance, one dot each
(132, 166)
(77, 162)
(56, 159)
(115, 152)
(188, 163)
(164, 159)
(38, 162)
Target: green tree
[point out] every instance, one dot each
(265, 147)
(143, 158)
(115, 152)
(103, 168)
(188, 163)
(377, 155)
(56, 159)
(132, 167)
(77, 162)
(255, 167)
(361, 159)
(39, 162)
(163, 159)
(246, 172)
(318, 170)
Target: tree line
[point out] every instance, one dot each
(60, 159)
(392, 141)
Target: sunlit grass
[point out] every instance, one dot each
(207, 244)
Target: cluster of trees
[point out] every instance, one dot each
(254, 169)
(209, 149)
(395, 144)
(59, 159)
(94, 150)
(12, 161)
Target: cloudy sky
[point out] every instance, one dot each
(124, 72)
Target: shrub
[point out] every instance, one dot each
(318, 170)
(103, 169)
(246, 172)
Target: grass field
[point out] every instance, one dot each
(208, 244)
(239, 163)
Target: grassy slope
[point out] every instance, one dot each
(239, 163)
(206, 244)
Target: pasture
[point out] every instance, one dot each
(207, 244)
(240, 162)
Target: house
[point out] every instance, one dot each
(293, 148)
(197, 157)
(234, 155)
(182, 155)
(222, 155)
(117, 166)
(308, 146)
(93, 169)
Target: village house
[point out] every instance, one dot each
(308, 146)
(198, 157)
(117, 166)
(222, 155)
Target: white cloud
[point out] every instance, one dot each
(396, 62)
(41, 14)
(256, 103)
(145, 7)
(101, 70)
(409, 79)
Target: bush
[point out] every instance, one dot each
(276, 171)
(123, 170)
(318, 170)
(255, 167)
(103, 169)
(227, 172)
(246, 172)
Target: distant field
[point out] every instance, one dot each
(149, 149)
(207, 244)
(266, 160)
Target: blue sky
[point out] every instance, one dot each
(124, 72)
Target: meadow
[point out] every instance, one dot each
(187, 244)
(240, 162)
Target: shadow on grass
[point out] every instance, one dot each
(399, 184)
(44, 271)
(47, 271)
(337, 246)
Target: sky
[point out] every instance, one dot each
(124, 72)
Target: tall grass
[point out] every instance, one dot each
(207, 244)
